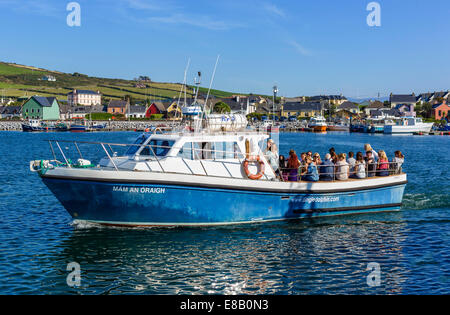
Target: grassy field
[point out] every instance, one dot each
(20, 81)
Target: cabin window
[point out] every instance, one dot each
(133, 149)
(227, 150)
(210, 150)
(186, 151)
(160, 147)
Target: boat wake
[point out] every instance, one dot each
(425, 201)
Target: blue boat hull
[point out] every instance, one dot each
(29, 128)
(157, 204)
(77, 128)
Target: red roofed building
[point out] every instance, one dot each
(156, 108)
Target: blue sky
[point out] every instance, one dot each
(305, 47)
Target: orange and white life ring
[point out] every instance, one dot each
(261, 168)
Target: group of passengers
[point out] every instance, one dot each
(310, 167)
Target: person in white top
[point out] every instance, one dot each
(360, 166)
(397, 162)
(342, 168)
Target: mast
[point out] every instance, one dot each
(275, 91)
(183, 86)
(209, 89)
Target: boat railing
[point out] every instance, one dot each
(198, 154)
(224, 157)
(371, 171)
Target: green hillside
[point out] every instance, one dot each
(19, 81)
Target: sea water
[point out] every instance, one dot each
(406, 252)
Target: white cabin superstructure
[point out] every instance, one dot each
(219, 154)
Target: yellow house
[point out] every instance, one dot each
(298, 109)
(174, 111)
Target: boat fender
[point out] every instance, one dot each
(261, 168)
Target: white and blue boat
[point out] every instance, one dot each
(217, 175)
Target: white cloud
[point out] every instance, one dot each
(273, 9)
(199, 21)
(41, 8)
(299, 48)
(152, 5)
(171, 13)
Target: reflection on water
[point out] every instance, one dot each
(312, 256)
(321, 256)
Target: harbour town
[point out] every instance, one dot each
(304, 150)
(82, 106)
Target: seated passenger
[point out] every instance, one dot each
(370, 164)
(327, 169)
(334, 156)
(342, 168)
(317, 159)
(351, 162)
(360, 166)
(282, 166)
(368, 147)
(293, 164)
(397, 162)
(303, 156)
(383, 164)
(311, 174)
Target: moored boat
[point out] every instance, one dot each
(318, 124)
(77, 128)
(408, 125)
(61, 127)
(38, 125)
(338, 127)
(32, 125)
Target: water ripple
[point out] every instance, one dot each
(313, 256)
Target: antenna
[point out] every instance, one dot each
(183, 86)
(207, 95)
(275, 91)
(197, 83)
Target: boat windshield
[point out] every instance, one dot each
(134, 148)
(160, 147)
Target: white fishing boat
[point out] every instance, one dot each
(32, 125)
(192, 110)
(408, 125)
(318, 124)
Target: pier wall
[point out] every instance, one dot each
(110, 125)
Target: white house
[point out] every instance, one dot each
(84, 97)
(136, 111)
(48, 78)
(397, 99)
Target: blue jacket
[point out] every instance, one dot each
(312, 174)
(327, 170)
